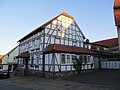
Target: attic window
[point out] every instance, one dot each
(58, 29)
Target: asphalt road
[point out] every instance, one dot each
(10, 86)
(101, 77)
(102, 80)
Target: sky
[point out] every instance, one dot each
(19, 17)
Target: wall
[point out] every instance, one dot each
(62, 30)
(110, 64)
(12, 55)
(5, 59)
(118, 29)
(9, 58)
(68, 62)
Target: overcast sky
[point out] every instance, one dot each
(19, 17)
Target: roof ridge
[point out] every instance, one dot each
(66, 14)
(117, 4)
(106, 39)
(45, 24)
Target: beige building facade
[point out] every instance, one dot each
(9, 60)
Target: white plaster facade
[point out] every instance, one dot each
(110, 64)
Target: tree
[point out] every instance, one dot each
(78, 64)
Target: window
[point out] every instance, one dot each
(85, 59)
(52, 40)
(63, 59)
(88, 59)
(37, 60)
(74, 43)
(74, 36)
(101, 48)
(57, 41)
(66, 35)
(68, 58)
(38, 43)
(70, 43)
(98, 48)
(73, 58)
(33, 43)
(47, 39)
(66, 42)
(62, 41)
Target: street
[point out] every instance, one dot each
(100, 77)
(10, 86)
(96, 80)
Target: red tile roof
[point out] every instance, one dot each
(110, 43)
(67, 49)
(117, 17)
(117, 4)
(117, 12)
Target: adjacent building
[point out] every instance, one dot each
(1, 58)
(1, 61)
(117, 18)
(109, 49)
(108, 53)
(9, 61)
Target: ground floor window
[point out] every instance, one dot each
(88, 59)
(85, 59)
(73, 58)
(68, 58)
(62, 58)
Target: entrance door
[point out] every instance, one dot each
(26, 66)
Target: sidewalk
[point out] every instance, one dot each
(36, 83)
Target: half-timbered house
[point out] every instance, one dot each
(53, 46)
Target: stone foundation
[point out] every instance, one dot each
(29, 72)
(46, 74)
